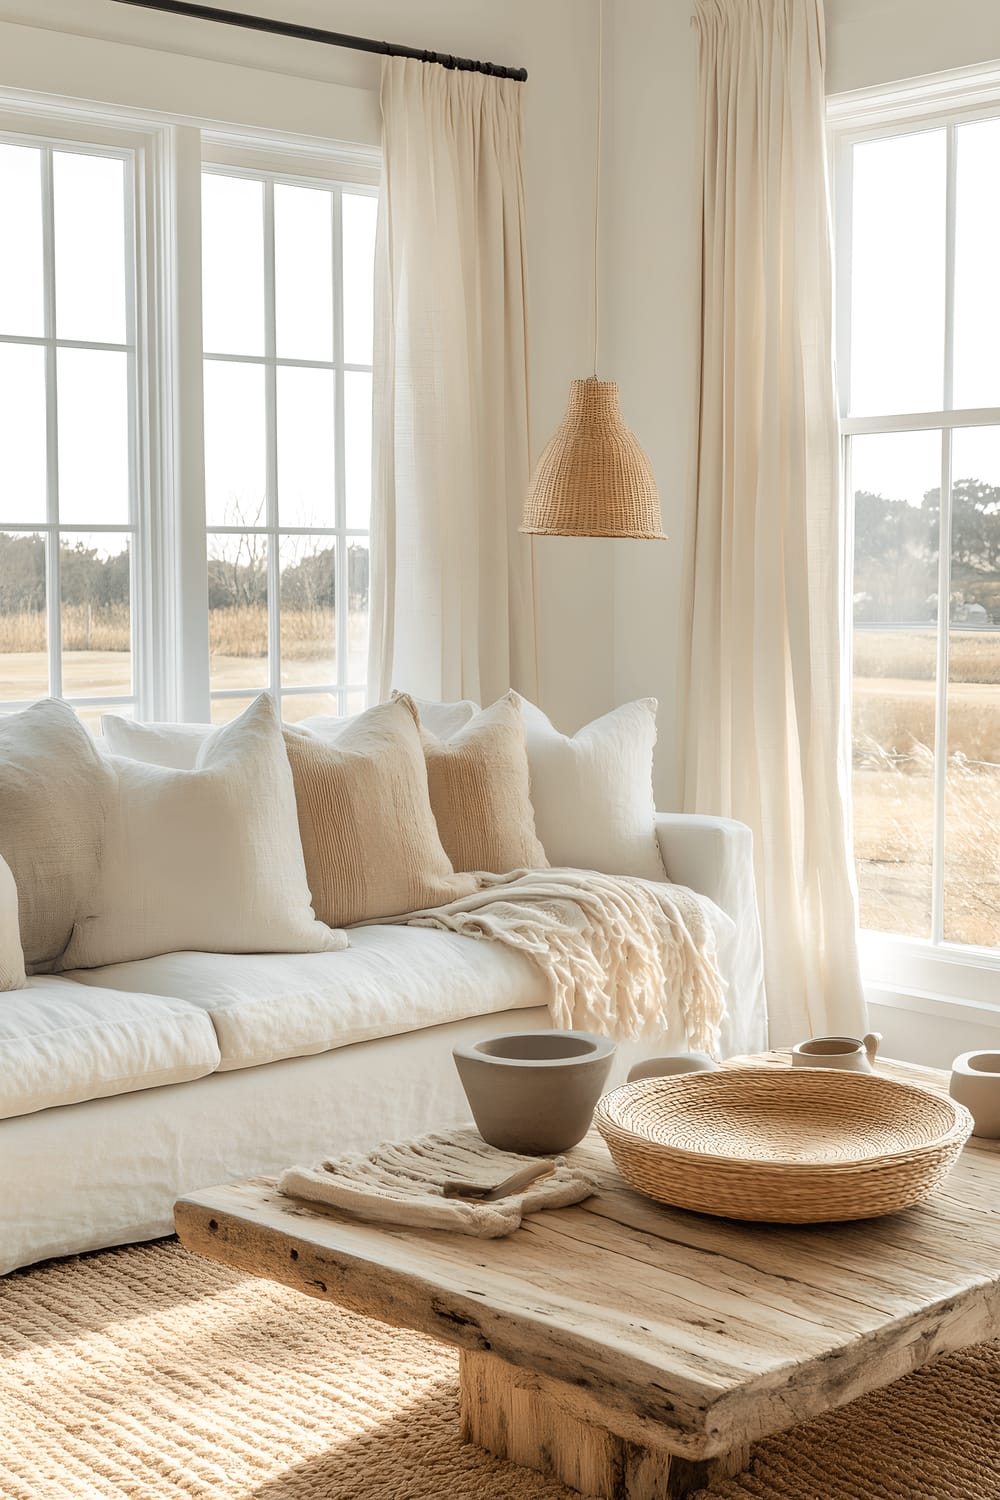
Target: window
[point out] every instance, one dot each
(287, 315)
(70, 513)
(185, 415)
(918, 223)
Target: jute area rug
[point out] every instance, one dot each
(151, 1374)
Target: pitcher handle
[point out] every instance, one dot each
(872, 1042)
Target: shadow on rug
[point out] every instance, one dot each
(150, 1374)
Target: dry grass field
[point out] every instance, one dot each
(306, 634)
(893, 787)
(97, 661)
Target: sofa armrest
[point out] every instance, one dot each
(714, 857)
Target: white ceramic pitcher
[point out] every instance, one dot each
(838, 1052)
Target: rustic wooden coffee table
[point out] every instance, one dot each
(636, 1351)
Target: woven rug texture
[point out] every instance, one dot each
(151, 1374)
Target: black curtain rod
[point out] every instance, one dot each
(327, 38)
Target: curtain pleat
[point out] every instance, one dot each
(765, 735)
(451, 596)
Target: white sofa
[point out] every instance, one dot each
(123, 1087)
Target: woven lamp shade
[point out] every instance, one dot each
(593, 478)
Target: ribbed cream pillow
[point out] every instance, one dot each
(207, 860)
(55, 788)
(12, 976)
(369, 837)
(480, 791)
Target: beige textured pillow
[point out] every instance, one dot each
(371, 845)
(480, 791)
(12, 975)
(207, 860)
(55, 788)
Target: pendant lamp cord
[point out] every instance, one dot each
(597, 181)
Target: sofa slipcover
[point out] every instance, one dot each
(61, 1043)
(267, 1006)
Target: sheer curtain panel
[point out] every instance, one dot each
(451, 594)
(765, 738)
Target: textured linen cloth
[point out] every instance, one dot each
(614, 949)
(402, 1182)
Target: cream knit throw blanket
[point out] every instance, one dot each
(401, 1182)
(613, 947)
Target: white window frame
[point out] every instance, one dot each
(930, 975)
(169, 582)
(74, 132)
(285, 166)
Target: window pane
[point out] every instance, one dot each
(224, 710)
(237, 611)
(90, 245)
(357, 610)
(21, 291)
(306, 474)
(235, 449)
(24, 662)
(232, 229)
(298, 706)
(303, 272)
(897, 274)
(308, 618)
(896, 480)
(972, 802)
(93, 436)
(977, 285)
(96, 640)
(358, 448)
(22, 432)
(359, 218)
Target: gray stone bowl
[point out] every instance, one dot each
(534, 1091)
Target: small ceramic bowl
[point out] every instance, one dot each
(975, 1082)
(534, 1091)
(667, 1067)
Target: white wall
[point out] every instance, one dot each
(881, 41)
(652, 292)
(101, 50)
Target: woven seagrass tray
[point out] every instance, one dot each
(787, 1145)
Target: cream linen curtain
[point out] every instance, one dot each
(451, 594)
(765, 733)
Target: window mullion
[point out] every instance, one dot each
(944, 562)
(139, 573)
(271, 452)
(53, 586)
(341, 561)
(843, 233)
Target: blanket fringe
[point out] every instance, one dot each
(614, 948)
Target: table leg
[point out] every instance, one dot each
(517, 1416)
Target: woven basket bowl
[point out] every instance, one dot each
(788, 1145)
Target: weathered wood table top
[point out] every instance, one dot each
(687, 1334)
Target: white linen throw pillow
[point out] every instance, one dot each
(12, 976)
(593, 791)
(174, 745)
(177, 745)
(207, 860)
(55, 788)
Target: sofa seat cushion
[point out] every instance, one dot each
(391, 980)
(62, 1043)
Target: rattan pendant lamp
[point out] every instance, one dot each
(593, 479)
